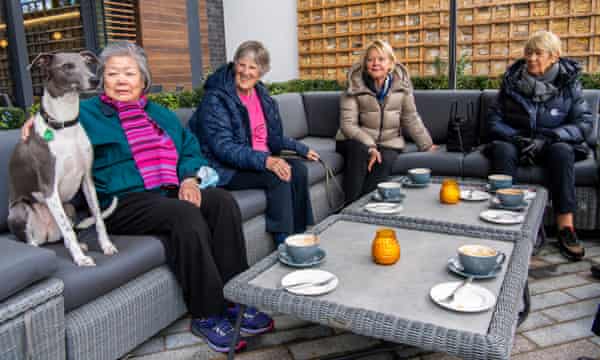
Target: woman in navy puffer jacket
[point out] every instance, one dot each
(240, 130)
(540, 117)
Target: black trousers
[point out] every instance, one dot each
(289, 209)
(357, 179)
(558, 160)
(204, 246)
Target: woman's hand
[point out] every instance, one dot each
(433, 148)
(26, 128)
(189, 191)
(279, 167)
(374, 155)
(312, 155)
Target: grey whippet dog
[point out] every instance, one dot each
(48, 168)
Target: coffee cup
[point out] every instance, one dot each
(510, 196)
(419, 175)
(480, 259)
(302, 247)
(389, 190)
(499, 181)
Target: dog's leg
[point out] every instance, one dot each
(63, 222)
(89, 190)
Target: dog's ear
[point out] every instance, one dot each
(43, 60)
(89, 57)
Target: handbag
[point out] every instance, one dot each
(462, 132)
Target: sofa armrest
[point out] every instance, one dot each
(22, 265)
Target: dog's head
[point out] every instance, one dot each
(67, 71)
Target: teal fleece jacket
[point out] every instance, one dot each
(114, 170)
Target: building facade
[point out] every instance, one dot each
(183, 38)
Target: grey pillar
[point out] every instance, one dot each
(17, 53)
(195, 44)
(452, 46)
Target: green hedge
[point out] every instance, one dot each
(11, 118)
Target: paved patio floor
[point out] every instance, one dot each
(564, 300)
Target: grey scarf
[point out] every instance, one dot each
(538, 88)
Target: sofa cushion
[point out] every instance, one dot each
(477, 165)
(184, 115)
(251, 202)
(22, 265)
(322, 112)
(440, 162)
(137, 255)
(319, 144)
(8, 140)
(292, 114)
(434, 108)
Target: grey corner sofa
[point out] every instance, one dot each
(51, 309)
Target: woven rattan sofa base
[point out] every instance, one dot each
(110, 326)
(32, 323)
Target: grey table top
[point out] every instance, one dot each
(422, 206)
(402, 289)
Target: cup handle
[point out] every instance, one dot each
(502, 257)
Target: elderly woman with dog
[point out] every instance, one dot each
(540, 117)
(240, 129)
(375, 110)
(145, 158)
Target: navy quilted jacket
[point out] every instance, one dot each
(222, 126)
(565, 117)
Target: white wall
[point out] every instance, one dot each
(272, 22)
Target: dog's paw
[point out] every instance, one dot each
(109, 249)
(85, 261)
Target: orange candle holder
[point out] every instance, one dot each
(449, 192)
(385, 248)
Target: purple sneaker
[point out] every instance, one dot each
(218, 333)
(253, 321)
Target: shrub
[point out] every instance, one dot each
(11, 118)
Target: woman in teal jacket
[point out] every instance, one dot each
(145, 158)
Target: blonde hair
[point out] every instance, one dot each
(384, 48)
(544, 40)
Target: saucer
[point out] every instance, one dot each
(496, 204)
(455, 266)
(377, 197)
(471, 298)
(310, 275)
(286, 259)
(502, 217)
(406, 182)
(474, 195)
(383, 207)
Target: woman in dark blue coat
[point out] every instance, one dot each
(541, 117)
(240, 128)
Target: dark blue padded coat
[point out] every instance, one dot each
(565, 117)
(222, 126)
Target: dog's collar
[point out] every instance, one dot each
(56, 125)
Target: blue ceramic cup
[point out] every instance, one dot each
(302, 247)
(499, 181)
(510, 196)
(419, 175)
(389, 190)
(480, 259)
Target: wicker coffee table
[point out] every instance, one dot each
(392, 302)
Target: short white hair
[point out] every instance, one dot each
(545, 41)
(255, 51)
(125, 48)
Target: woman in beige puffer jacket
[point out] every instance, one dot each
(375, 110)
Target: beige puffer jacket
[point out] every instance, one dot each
(363, 119)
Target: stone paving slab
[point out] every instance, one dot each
(521, 344)
(573, 311)
(585, 292)
(291, 335)
(560, 282)
(333, 345)
(550, 299)
(186, 353)
(561, 333)
(534, 320)
(154, 345)
(570, 351)
(559, 269)
(175, 341)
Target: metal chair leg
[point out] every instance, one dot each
(236, 332)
